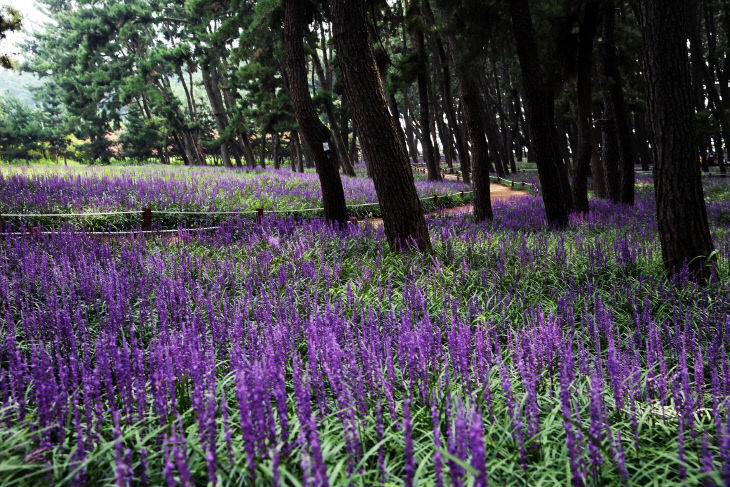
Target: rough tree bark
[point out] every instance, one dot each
(541, 119)
(681, 214)
(401, 210)
(318, 137)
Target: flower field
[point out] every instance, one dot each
(292, 353)
(124, 188)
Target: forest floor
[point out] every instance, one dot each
(497, 192)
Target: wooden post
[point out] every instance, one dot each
(2, 225)
(462, 195)
(513, 184)
(146, 219)
(436, 200)
(259, 215)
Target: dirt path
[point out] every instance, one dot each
(497, 192)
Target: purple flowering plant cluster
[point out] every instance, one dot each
(292, 353)
(123, 188)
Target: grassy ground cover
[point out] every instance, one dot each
(291, 353)
(43, 189)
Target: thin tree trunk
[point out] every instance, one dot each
(504, 129)
(219, 114)
(401, 210)
(299, 167)
(353, 145)
(439, 79)
(614, 96)
(598, 171)
(582, 162)
(410, 130)
(276, 144)
(422, 83)
(642, 140)
(441, 66)
(262, 160)
(609, 152)
(472, 101)
(340, 146)
(720, 106)
(434, 135)
(393, 106)
(562, 131)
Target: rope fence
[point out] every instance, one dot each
(146, 214)
(202, 212)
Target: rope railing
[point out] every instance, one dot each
(66, 215)
(147, 213)
(203, 212)
(509, 182)
(120, 233)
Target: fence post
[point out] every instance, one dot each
(2, 225)
(146, 219)
(462, 195)
(513, 185)
(436, 200)
(259, 215)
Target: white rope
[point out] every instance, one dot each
(65, 215)
(183, 212)
(297, 210)
(132, 232)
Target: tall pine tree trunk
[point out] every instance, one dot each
(541, 119)
(401, 210)
(318, 137)
(681, 214)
